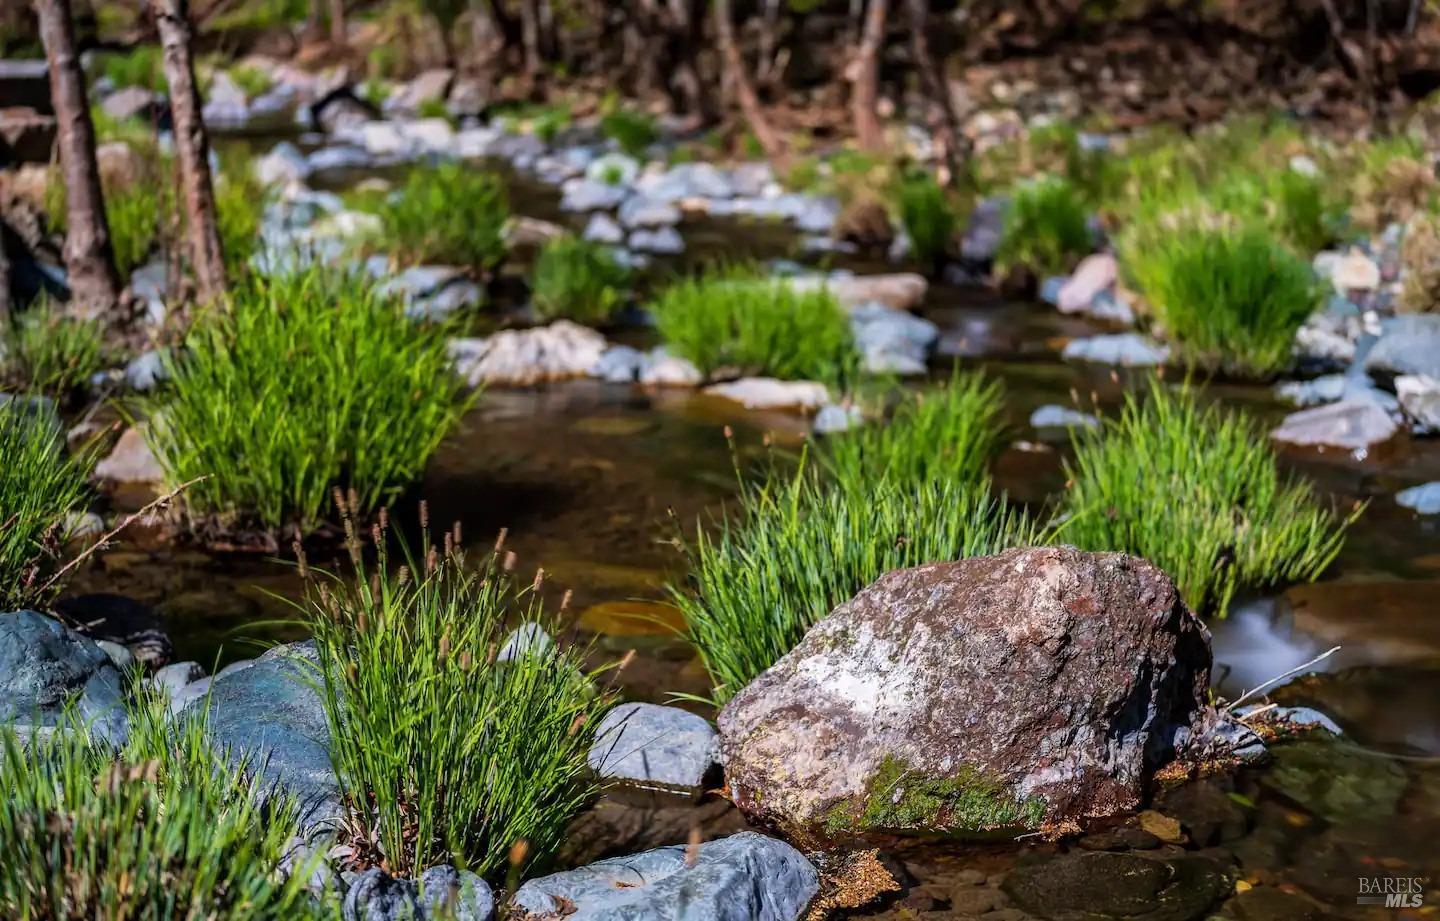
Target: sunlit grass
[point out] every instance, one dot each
(449, 747)
(450, 214)
(734, 318)
(47, 351)
(39, 487)
(578, 280)
(1227, 297)
(1046, 229)
(1196, 491)
(305, 382)
(928, 218)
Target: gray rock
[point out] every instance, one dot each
(122, 658)
(590, 195)
(1424, 499)
(182, 697)
(442, 894)
(1409, 344)
(172, 678)
(46, 667)
(146, 370)
(685, 181)
(892, 341)
(1328, 388)
(1293, 718)
(131, 102)
(333, 164)
(770, 393)
(418, 281)
(1419, 397)
(430, 86)
(745, 877)
(284, 163)
(523, 357)
(664, 241)
(833, 419)
(459, 294)
(661, 369)
(603, 229)
(1052, 416)
(640, 211)
(613, 169)
(982, 233)
(620, 364)
(1128, 350)
(269, 716)
(985, 696)
(529, 639)
(1351, 424)
(653, 746)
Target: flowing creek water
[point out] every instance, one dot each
(592, 480)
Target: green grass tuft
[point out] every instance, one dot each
(306, 382)
(1197, 492)
(445, 751)
(1228, 298)
(928, 219)
(140, 66)
(162, 829)
(798, 547)
(947, 435)
(1045, 231)
(48, 351)
(735, 318)
(450, 214)
(633, 131)
(39, 487)
(578, 280)
(252, 81)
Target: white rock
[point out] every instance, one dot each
(1355, 271)
(1095, 274)
(662, 369)
(603, 229)
(834, 418)
(1352, 424)
(529, 356)
(613, 169)
(1052, 416)
(1422, 499)
(1129, 350)
(665, 241)
(585, 194)
(1420, 399)
(642, 211)
(131, 461)
(770, 393)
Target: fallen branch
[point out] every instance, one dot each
(105, 539)
(1278, 678)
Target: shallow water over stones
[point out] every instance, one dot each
(592, 480)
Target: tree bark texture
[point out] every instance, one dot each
(944, 124)
(865, 91)
(192, 149)
(89, 256)
(750, 106)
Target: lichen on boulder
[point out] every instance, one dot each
(1025, 691)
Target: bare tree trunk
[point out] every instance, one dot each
(192, 149)
(769, 29)
(4, 276)
(750, 106)
(89, 257)
(530, 38)
(338, 33)
(944, 124)
(865, 72)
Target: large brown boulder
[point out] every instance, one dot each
(1024, 691)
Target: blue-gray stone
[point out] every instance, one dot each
(1424, 499)
(662, 240)
(176, 676)
(641, 211)
(269, 715)
(47, 668)
(1050, 289)
(603, 229)
(833, 419)
(620, 364)
(1130, 350)
(982, 233)
(584, 194)
(146, 370)
(442, 894)
(745, 877)
(648, 745)
(1052, 416)
(1409, 344)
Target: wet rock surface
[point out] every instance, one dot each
(441, 894)
(46, 667)
(653, 746)
(1083, 886)
(745, 877)
(1028, 689)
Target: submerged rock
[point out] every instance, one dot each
(653, 746)
(770, 393)
(524, 357)
(1027, 690)
(1424, 500)
(1093, 886)
(1408, 344)
(45, 667)
(745, 877)
(269, 717)
(1128, 350)
(1351, 424)
(1419, 397)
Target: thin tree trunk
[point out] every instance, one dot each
(4, 276)
(338, 33)
(89, 256)
(192, 149)
(750, 106)
(530, 37)
(945, 125)
(865, 93)
(769, 29)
